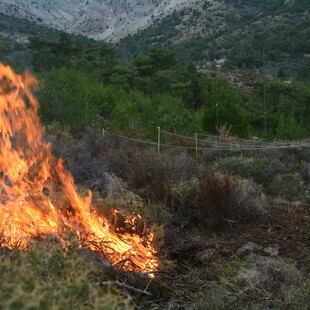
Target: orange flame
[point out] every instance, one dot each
(37, 194)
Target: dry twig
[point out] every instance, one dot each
(123, 285)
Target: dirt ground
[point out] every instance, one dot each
(202, 258)
(287, 226)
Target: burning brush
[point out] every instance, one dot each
(37, 194)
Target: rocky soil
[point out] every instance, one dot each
(246, 81)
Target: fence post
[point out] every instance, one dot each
(158, 140)
(196, 144)
(103, 131)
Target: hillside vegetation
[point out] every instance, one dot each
(246, 32)
(84, 83)
(14, 33)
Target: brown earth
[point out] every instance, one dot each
(284, 225)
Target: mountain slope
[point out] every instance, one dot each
(244, 32)
(14, 40)
(98, 19)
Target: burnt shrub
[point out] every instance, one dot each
(82, 155)
(117, 153)
(231, 199)
(215, 200)
(154, 174)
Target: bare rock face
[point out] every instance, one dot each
(99, 19)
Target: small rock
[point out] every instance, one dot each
(248, 249)
(272, 250)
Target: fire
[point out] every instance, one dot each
(38, 197)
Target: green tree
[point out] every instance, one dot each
(289, 129)
(157, 59)
(133, 111)
(171, 115)
(73, 97)
(230, 110)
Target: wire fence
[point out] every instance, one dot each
(166, 139)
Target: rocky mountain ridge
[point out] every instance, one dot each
(99, 19)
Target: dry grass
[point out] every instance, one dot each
(268, 277)
(48, 277)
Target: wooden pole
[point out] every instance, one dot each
(158, 140)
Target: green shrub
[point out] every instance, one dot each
(288, 186)
(260, 170)
(153, 213)
(233, 266)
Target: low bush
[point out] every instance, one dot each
(50, 277)
(234, 266)
(267, 276)
(117, 191)
(260, 170)
(214, 200)
(82, 155)
(154, 174)
(257, 283)
(290, 187)
(305, 173)
(229, 200)
(194, 196)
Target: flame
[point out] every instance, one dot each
(38, 196)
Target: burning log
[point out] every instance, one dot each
(38, 196)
